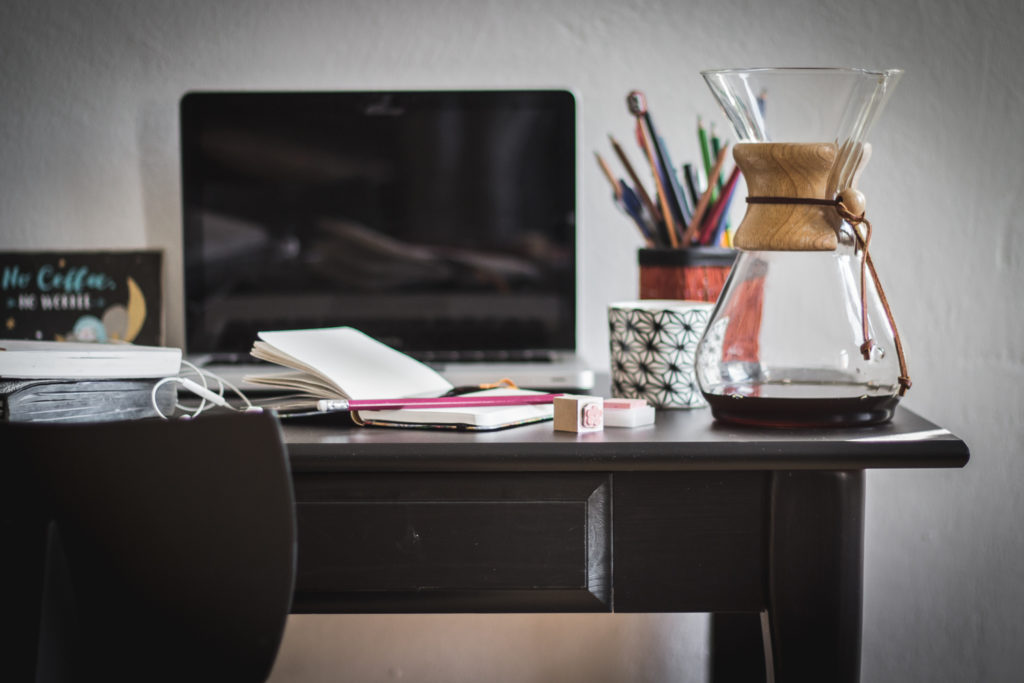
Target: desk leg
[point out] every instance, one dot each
(816, 547)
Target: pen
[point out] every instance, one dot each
(341, 404)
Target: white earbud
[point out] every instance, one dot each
(203, 392)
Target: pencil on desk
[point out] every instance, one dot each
(325, 405)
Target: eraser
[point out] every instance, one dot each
(579, 413)
(625, 403)
(627, 412)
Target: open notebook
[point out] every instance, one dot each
(342, 362)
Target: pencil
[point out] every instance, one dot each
(721, 231)
(702, 206)
(666, 213)
(637, 104)
(705, 151)
(637, 185)
(716, 219)
(716, 147)
(630, 203)
(681, 201)
(692, 184)
(616, 189)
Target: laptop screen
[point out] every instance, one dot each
(441, 223)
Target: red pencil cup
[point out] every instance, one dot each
(693, 274)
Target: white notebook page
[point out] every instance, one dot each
(359, 366)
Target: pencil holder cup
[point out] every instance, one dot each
(693, 274)
(652, 344)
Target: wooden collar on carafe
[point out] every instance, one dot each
(849, 205)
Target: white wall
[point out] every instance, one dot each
(88, 158)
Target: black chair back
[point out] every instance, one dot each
(169, 547)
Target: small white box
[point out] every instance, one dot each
(627, 412)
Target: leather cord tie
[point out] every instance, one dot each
(863, 239)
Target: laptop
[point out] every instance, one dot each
(441, 223)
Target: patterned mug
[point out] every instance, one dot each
(653, 343)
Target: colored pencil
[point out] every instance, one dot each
(638, 186)
(631, 204)
(698, 213)
(616, 189)
(710, 230)
(636, 102)
(666, 212)
(705, 150)
(716, 147)
(692, 183)
(720, 236)
(685, 208)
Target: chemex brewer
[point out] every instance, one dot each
(802, 334)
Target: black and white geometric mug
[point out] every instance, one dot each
(653, 343)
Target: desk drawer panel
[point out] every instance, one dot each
(690, 541)
(410, 538)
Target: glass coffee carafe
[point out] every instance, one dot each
(802, 334)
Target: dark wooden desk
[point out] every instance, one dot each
(761, 528)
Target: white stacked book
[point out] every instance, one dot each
(49, 381)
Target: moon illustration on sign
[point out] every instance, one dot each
(136, 311)
(125, 322)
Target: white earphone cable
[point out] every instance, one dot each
(208, 397)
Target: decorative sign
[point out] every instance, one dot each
(82, 296)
